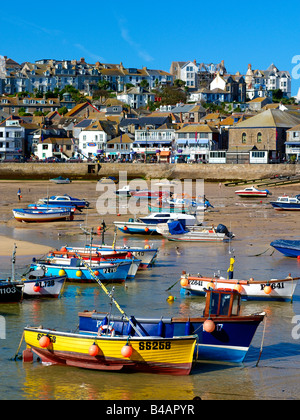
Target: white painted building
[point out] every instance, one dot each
(93, 139)
(136, 97)
(12, 136)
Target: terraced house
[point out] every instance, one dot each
(45, 75)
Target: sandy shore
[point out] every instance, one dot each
(253, 221)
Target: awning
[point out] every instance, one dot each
(164, 153)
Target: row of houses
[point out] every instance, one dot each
(203, 79)
(183, 133)
(47, 75)
(205, 82)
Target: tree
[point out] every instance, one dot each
(63, 110)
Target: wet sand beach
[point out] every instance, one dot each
(253, 221)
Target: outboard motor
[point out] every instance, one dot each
(223, 229)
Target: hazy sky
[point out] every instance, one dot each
(155, 33)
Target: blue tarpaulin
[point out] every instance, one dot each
(176, 227)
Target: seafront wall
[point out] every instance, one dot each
(86, 171)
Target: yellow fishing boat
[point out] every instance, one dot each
(172, 356)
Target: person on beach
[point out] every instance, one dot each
(19, 194)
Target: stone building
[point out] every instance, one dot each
(260, 139)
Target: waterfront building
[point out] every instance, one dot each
(193, 142)
(120, 148)
(12, 139)
(93, 139)
(261, 138)
(292, 145)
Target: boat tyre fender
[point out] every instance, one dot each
(106, 330)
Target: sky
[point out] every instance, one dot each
(154, 33)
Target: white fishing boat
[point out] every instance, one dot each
(174, 231)
(273, 289)
(252, 192)
(165, 217)
(39, 216)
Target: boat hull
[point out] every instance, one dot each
(40, 216)
(48, 287)
(107, 272)
(229, 342)
(145, 255)
(282, 290)
(285, 207)
(10, 292)
(287, 248)
(135, 228)
(172, 356)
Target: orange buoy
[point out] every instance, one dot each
(126, 350)
(298, 258)
(36, 287)
(184, 282)
(146, 229)
(125, 228)
(96, 273)
(44, 341)
(99, 228)
(268, 289)
(63, 249)
(94, 350)
(209, 326)
(129, 255)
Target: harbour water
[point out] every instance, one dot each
(276, 377)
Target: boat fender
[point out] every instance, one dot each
(188, 328)
(160, 328)
(107, 330)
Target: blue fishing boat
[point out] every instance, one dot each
(65, 201)
(75, 271)
(32, 215)
(136, 226)
(223, 334)
(287, 203)
(146, 255)
(288, 248)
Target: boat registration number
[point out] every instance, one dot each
(7, 290)
(46, 283)
(195, 282)
(109, 270)
(139, 253)
(273, 286)
(154, 345)
(52, 337)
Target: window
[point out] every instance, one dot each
(244, 138)
(259, 138)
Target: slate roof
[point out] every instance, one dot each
(270, 118)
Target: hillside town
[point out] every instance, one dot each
(68, 111)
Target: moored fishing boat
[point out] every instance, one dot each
(173, 356)
(108, 350)
(175, 231)
(289, 248)
(224, 334)
(42, 215)
(252, 192)
(156, 218)
(43, 287)
(96, 258)
(146, 255)
(76, 272)
(287, 203)
(273, 289)
(11, 291)
(65, 201)
(60, 180)
(136, 226)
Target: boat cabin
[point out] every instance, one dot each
(222, 302)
